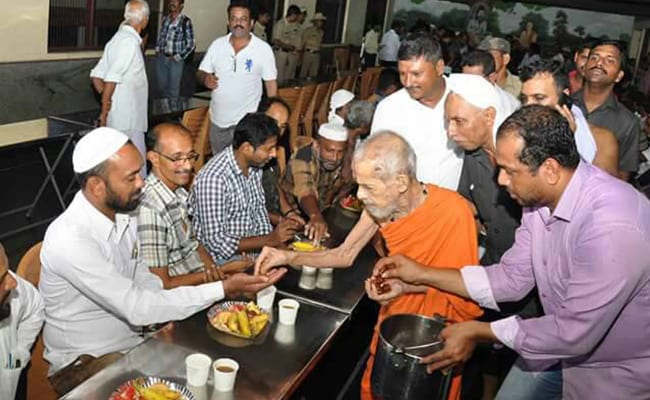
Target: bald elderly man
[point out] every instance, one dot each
(427, 222)
(96, 290)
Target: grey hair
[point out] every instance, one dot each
(360, 114)
(136, 11)
(390, 153)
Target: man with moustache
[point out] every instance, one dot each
(314, 178)
(427, 222)
(96, 290)
(417, 111)
(604, 69)
(233, 68)
(21, 318)
(227, 198)
(582, 243)
(168, 243)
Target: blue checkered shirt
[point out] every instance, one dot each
(227, 206)
(176, 37)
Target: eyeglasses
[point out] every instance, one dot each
(179, 159)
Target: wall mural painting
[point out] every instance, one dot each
(551, 26)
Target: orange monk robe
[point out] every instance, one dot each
(440, 232)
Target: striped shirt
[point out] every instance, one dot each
(165, 231)
(227, 206)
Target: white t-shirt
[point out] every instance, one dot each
(389, 46)
(240, 78)
(18, 333)
(97, 290)
(439, 160)
(123, 63)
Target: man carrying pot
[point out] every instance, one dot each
(433, 225)
(583, 243)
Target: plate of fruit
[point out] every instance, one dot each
(351, 203)
(238, 318)
(151, 388)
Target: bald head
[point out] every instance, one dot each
(171, 153)
(388, 154)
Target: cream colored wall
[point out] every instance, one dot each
(210, 20)
(24, 29)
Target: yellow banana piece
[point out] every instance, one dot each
(151, 394)
(232, 323)
(244, 324)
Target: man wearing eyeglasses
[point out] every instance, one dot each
(168, 243)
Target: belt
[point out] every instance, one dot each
(312, 51)
(169, 54)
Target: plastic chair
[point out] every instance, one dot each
(314, 107)
(298, 113)
(323, 110)
(38, 385)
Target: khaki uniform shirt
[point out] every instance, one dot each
(312, 38)
(288, 33)
(259, 30)
(304, 176)
(512, 85)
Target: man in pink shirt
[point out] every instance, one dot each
(583, 243)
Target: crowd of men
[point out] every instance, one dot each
(479, 200)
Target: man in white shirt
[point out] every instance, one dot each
(390, 44)
(416, 112)
(121, 79)
(21, 318)
(97, 292)
(371, 46)
(233, 68)
(480, 62)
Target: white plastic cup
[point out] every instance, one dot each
(266, 297)
(307, 281)
(285, 334)
(325, 280)
(225, 372)
(306, 269)
(288, 310)
(197, 369)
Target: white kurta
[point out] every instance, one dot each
(439, 160)
(123, 64)
(18, 333)
(96, 289)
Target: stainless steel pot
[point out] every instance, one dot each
(403, 340)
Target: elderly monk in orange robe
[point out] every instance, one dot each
(432, 225)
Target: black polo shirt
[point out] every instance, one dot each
(622, 122)
(497, 211)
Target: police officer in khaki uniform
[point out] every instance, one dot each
(312, 38)
(259, 29)
(287, 43)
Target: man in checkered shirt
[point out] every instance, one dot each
(174, 45)
(227, 199)
(168, 244)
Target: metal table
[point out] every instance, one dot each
(42, 134)
(343, 288)
(271, 367)
(160, 110)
